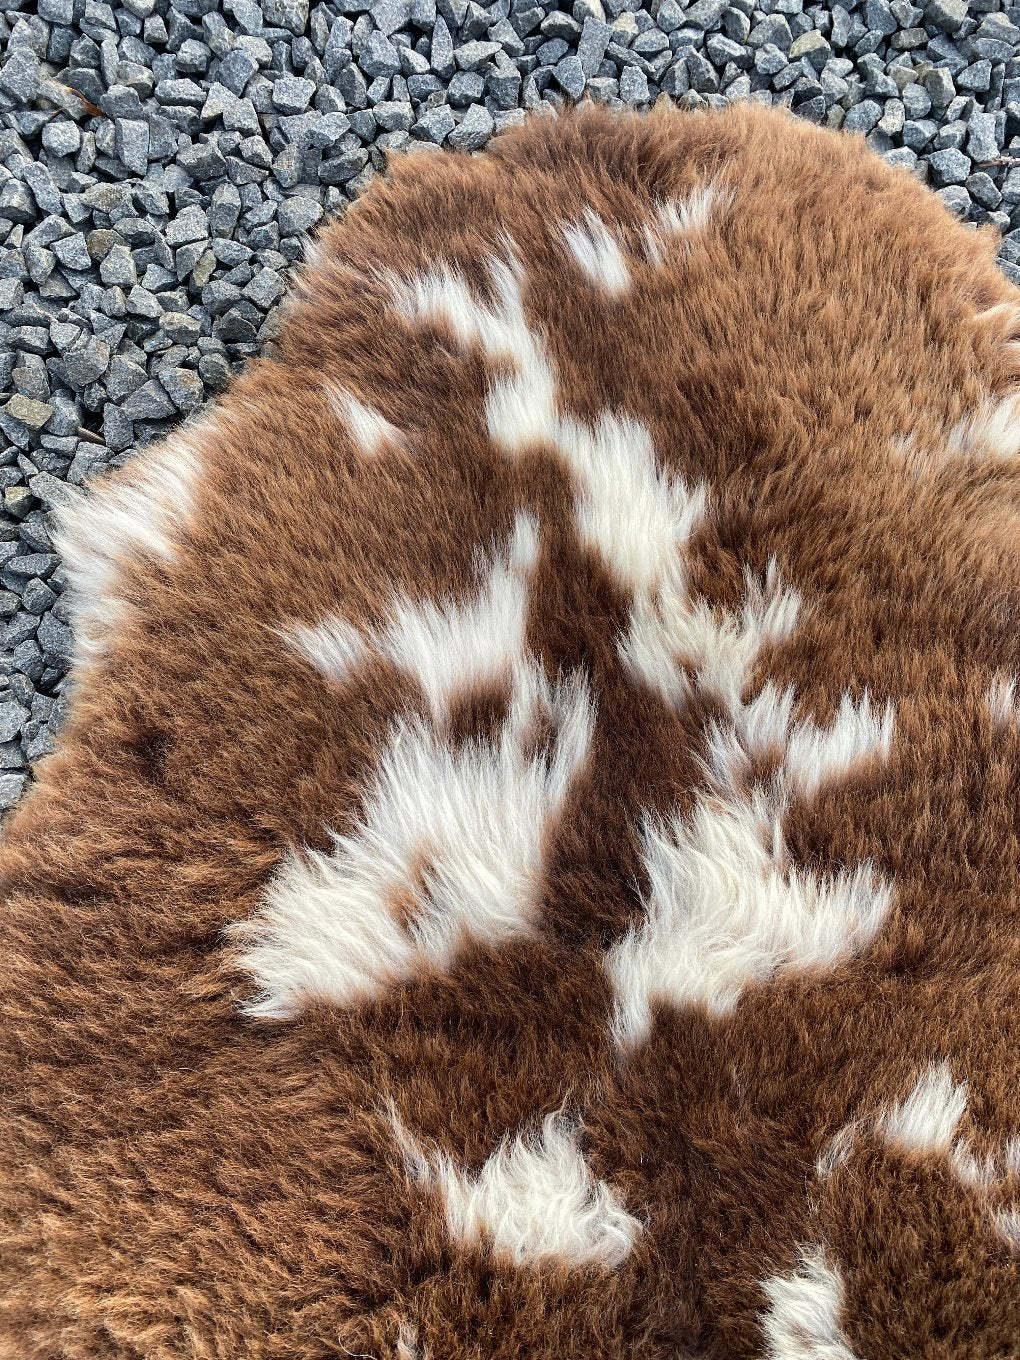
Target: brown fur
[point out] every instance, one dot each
(178, 1180)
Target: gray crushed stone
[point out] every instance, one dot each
(161, 165)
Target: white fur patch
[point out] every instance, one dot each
(723, 912)
(1007, 1225)
(597, 254)
(369, 430)
(815, 755)
(632, 512)
(991, 1174)
(139, 512)
(449, 850)
(724, 907)
(629, 510)
(407, 1342)
(981, 1173)
(926, 1121)
(449, 647)
(803, 1321)
(992, 430)
(533, 1201)
(839, 1149)
(680, 218)
(926, 1124)
(335, 647)
(521, 411)
(995, 1179)
(446, 647)
(671, 634)
(500, 329)
(1001, 700)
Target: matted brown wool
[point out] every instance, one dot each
(532, 866)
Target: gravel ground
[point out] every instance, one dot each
(160, 165)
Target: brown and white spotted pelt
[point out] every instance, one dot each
(532, 870)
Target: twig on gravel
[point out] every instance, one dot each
(89, 435)
(86, 104)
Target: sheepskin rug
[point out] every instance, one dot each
(532, 871)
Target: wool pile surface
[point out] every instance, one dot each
(616, 951)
